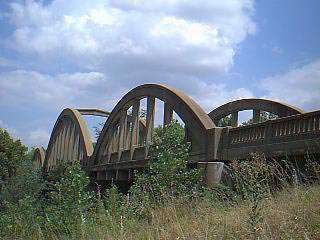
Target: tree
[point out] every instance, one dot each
(167, 174)
(224, 122)
(264, 116)
(12, 153)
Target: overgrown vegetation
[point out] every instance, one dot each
(256, 200)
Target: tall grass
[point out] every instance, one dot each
(249, 208)
(292, 214)
(259, 198)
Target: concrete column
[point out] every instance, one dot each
(234, 119)
(256, 115)
(67, 141)
(122, 137)
(71, 143)
(212, 172)
(135, 126)
(62, 142)
(76, 146)
(149, 121)
(115, 140)
(53, 151)
(59, 144)
(168, 114)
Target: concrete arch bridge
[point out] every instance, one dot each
(126, 137)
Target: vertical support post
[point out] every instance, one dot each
(122, 137)
(135, 126)
(76, 146)
(67, 141)
(114, 146)
(234, 119)
(149, 122)
(168, 114)
(63, 145)
(71, 143)
(58, 156)
(256, 115)
(53, 151)
(128, 135)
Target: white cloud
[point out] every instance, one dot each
(28, 89)
(38, 137)
(91, 54)
(212, 96)
(132, 42)
(198, 34)
(6, 63)
(299, 86)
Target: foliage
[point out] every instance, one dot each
(12, 153)
(167, 174)
(224, 122)
(166, 201)
(68, 199)
(264, 116)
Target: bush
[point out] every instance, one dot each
(12, 153)
(167, 174)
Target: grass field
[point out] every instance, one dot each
(292, 214)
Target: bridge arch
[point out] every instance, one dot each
(69, 141)
(38, 157)
(115, 133)
(255, 104)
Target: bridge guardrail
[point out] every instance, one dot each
(301, 128)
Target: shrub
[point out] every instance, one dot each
(167, 175)
(12, 153)
(68, 200)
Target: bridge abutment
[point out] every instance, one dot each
(212, 172)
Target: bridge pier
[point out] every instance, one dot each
(212, 172)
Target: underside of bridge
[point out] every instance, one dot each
(126, 137)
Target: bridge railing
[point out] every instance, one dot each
(269, 136)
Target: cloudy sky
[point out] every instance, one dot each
(71, 53)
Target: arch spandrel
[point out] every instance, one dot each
(277, 108)
(69, 122)
(188, 110)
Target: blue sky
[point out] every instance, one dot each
(57, 54)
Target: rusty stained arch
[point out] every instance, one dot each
(197, 121)
(277, 108)
(38, 157)
(70, 139)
